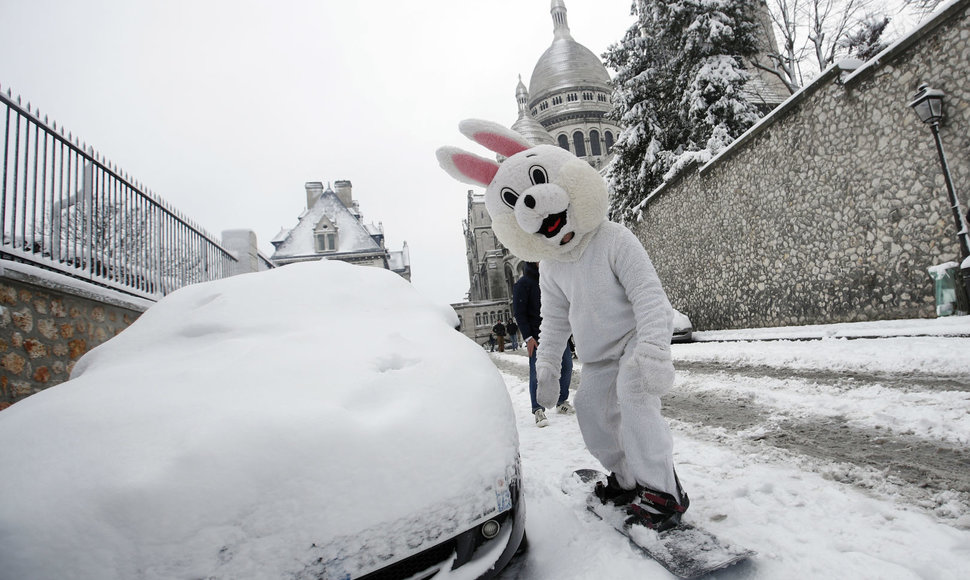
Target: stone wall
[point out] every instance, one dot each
(47, 322)
(833, 207)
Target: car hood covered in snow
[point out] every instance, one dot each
(239, 426)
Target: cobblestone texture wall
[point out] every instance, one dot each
(43, 332)
(833, 210)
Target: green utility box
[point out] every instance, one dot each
(951, 298)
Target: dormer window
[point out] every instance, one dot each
(326, 241)
(325, 236)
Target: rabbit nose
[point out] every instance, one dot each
(529, 201)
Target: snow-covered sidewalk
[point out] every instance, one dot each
(799, 516)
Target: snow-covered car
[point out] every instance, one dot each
(320, 420)
(683, 328)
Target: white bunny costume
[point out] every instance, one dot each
(597, 283)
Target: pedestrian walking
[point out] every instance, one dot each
(513, 329)
(499, 330)
(526, 307)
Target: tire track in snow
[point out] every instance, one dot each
(932, 473)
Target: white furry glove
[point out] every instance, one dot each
(648, 370)
(547, 384)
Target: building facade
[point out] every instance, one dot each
(333, 228)
(569, 95)
(492, 270)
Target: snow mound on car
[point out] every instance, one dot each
(239, 422)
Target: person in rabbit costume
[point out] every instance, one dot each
(598, 284)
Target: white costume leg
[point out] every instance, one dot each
(645, 438)
(598, 414)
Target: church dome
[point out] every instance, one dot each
(567, 63)
(526, 125)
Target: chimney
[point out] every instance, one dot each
(343, 189)
(314, 189)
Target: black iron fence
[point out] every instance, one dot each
(64, 207)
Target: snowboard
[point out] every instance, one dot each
(686, 551)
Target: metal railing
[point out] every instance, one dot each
(65, 208)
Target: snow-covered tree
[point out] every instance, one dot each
(678, 91)
(866, 41)
(813, 34)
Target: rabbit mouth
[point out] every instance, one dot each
(553, 224)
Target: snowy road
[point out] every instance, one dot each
(835, 459)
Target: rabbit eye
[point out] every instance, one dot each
(509, 197)
(538, 175)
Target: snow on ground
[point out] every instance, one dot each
(800, 518)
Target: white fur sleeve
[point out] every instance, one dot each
(555, 329)
(635, 271)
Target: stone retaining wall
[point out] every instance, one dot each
(46, 326)
(830, 210)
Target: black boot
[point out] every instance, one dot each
(611, 492)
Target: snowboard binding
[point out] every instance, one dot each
(646, 507)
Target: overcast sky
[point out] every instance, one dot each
(227, 107)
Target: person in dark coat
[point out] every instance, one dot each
(513, 329)
(526, 304)
(499, 330)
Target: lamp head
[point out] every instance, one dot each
(928, 104)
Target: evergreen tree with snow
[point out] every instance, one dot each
(678, 91)
(866, 41)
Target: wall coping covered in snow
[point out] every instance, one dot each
(58, 282)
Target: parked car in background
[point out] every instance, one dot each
(683, 329)
(319, 420)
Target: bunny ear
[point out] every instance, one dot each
(466, 167)
(495, 137)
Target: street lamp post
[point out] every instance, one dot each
(928, 104)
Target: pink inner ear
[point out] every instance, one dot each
(499, 143)
(475, 168)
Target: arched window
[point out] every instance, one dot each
(478, 319)
(579, 143)
(594, 143)
(609, 141)
(564, 142)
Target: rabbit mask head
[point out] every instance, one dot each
(544, 201)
